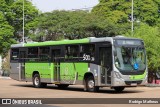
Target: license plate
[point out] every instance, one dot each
(133, 84)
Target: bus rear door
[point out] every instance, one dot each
(56, 63)
(14, 64)
(22, 63)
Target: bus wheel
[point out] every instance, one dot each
(90, 84)
(37, 82)
(62, 85)
(119, 89)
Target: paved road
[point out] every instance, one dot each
(14, 89)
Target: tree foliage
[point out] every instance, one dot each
(6, 34)
(16, 18)
(11, 21)
(6, 30)
(72, 24)
(147, 11)
(59, 24)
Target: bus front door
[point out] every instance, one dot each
(105, 57)
(56, 64)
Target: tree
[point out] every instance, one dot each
(16, 18)
(114, 13)
(119, 11)
(58, 25)
(97, 26)
(11, 21)
(6, 35)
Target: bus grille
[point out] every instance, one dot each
(133, 82)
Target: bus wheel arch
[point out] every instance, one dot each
(34, 72)
(36, 79)
(89, 83)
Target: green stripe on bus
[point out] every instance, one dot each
(47, 43)
(138, 77)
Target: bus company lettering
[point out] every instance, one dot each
(150, 102)
(14, 101)
(34, 102)
(135, 101)
(19, 101)
(143, 101)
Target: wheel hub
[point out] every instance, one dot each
(91, 84)
(36, 81)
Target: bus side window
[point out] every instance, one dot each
(71, 52)
(14, 54)
(32, 54)
(87, 52)
(44, 53)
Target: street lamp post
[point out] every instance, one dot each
(23, 23)
(132, 19)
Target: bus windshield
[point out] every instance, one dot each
(130, 58)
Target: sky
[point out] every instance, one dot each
(50, 5)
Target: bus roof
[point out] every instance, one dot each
(48, 43)
(76, 41)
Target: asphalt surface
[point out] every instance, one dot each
(14, 89)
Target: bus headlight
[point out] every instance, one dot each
(118, 75)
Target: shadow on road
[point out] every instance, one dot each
(80, 89)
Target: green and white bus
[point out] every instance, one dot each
(116, 62)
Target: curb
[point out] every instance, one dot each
(1, 77)
(153, 85)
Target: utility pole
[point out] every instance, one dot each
(132, 19)
(23, 23)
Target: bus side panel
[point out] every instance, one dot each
(15, 73)
(67, 71)
(44, 69)
(73, 73)
(82, 68)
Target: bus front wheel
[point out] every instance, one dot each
(37, 82)
(90, 84)
(119, 89)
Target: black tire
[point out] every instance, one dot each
(90, 84)
(37, 82)
(62, 85)
(119, 89)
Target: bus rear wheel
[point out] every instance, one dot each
(37, 82)
(119, 89)
(90, 84)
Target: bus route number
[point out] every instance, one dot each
(88, 58)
